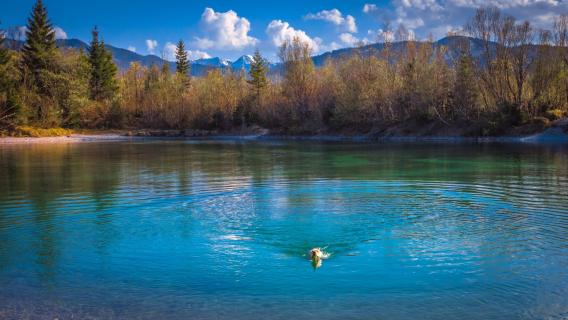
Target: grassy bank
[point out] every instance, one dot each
(33, 132)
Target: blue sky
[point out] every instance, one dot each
(229, 29)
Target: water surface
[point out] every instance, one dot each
(220, 230)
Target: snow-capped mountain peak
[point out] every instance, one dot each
(243, 62)
(213, 62)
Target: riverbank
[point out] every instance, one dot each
(557, 133)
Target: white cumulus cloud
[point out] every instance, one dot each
(370, 7)
(151, 45)
(350, 24)
(411, 23)
(197, 54)
(440, 16)
(131, 48)
(336, 17)
(280, 31)
(171, 48)
(169, 51)
(224, 31)
(348, 39)
(504, 4)
(330, 47)
(59, 33)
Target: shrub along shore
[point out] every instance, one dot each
(516, 83)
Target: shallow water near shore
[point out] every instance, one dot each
(221, 230)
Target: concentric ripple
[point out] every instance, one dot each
(220, 230)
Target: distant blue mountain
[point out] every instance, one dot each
(123, 58)
(452, 43)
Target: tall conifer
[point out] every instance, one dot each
(182, 61)
(39, 50)
(103, 70)
(257, 75)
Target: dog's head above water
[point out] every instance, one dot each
(316, 253)
(316, 256)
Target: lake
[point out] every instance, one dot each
(221, 230)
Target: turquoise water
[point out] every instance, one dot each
(220, 230)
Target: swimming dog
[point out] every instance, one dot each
(316, 256)
(316, 253)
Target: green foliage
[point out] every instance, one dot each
(103, 85)
(77, 72)
(10, 104)
(182, 61)
(257, 73)
(11, 108)
(45, 86)
(258, 82)
(39, 50)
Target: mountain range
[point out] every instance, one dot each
(123, 57)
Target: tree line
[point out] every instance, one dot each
(518, 76)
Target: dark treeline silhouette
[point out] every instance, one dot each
(517, 78)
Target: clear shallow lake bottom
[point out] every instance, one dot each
(220, 230)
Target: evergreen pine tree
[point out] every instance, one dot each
(103, 70)
(182, 62)
(95, 60)
(110, 71)
(257, 80)
(257, 75)
(39, 67)
(39, 49)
